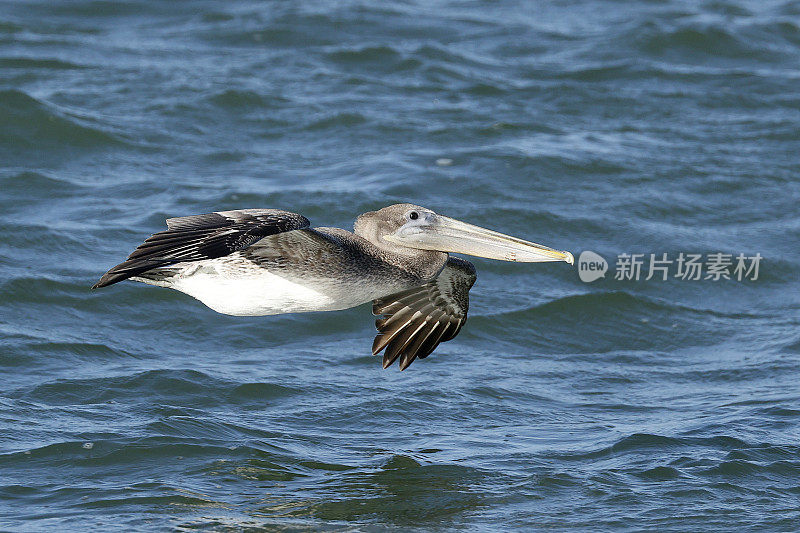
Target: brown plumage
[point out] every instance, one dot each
(417, 320)
(265, 261)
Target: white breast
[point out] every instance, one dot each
(256, 291)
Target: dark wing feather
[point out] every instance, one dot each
(200, 237)
(416, 320)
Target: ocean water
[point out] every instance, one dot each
(651, 127)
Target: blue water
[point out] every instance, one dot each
(617, 127)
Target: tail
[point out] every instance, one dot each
(200, 237)
(128, 269)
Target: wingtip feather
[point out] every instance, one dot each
(405, 360)
(103, 282)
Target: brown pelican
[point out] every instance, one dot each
(267, 262)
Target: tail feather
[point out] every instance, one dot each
(127, 269)
(200, 237)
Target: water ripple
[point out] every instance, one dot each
(651, 127)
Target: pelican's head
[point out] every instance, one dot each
(411, 227)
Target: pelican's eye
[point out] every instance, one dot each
(413, 215)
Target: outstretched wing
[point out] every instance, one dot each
(417, 320)
(200, 237)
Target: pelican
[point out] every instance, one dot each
(254, 262)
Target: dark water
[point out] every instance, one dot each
(617, 127)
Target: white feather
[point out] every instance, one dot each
(255, 291)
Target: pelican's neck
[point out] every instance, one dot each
(424, 264)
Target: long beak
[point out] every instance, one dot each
(449, 235)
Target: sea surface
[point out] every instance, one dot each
(651, 127)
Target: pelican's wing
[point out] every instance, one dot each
(200, 237)
(417, 320)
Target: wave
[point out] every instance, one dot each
(234, 99)
(10, 27)
(793, 346)
(252, 30)
(700, 40)
(337, 120)
(366, 54)
(696, 456)
(401, 488)
(171, 387)
(29, 185)
(36, 63)
(22, 354)
(26, 122)
(603, 322)
(772, 41)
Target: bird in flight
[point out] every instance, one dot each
(266, 262)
